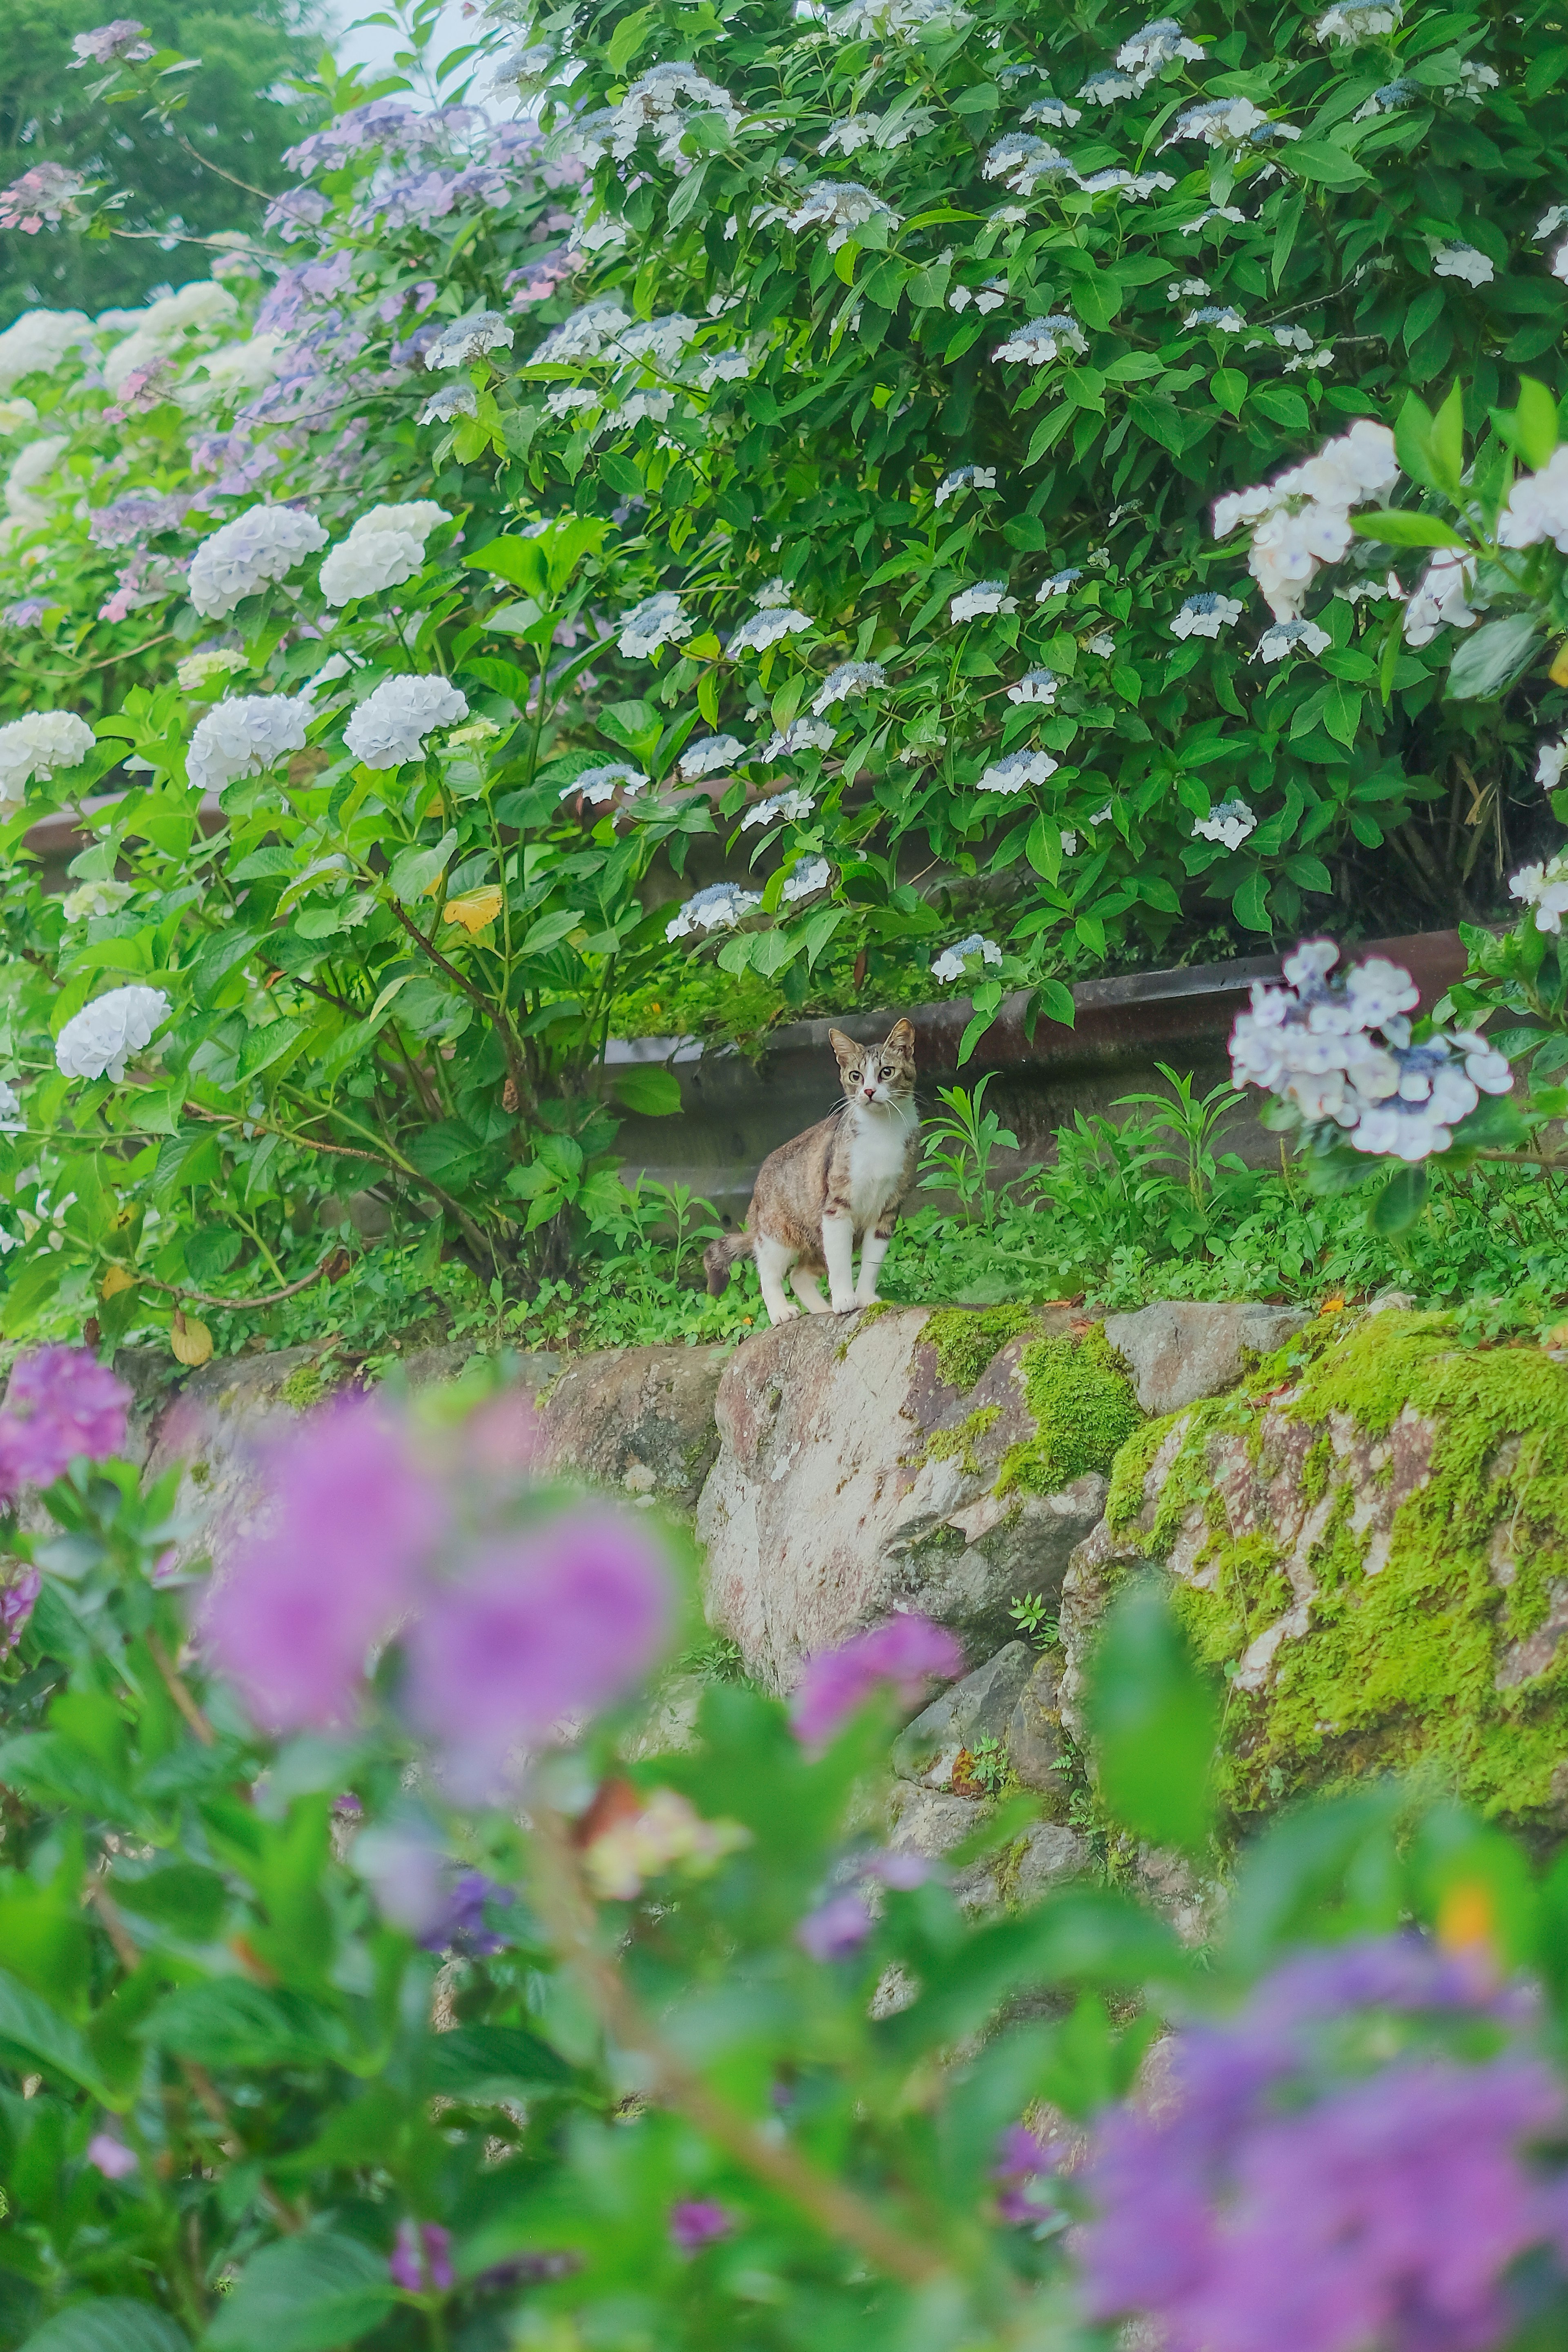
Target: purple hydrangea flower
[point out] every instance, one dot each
(110, 2155)
(421, 2260)
(697, 2222)
(906, 1653)
(293, 1618)
(898, 1872)
(1024, 2163)
(1284, 2194)
(16, 1601)
(836, 1929)
(541, 1628)
(26, 613)
(61, 1402)
(461, 1926)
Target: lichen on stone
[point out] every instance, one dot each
(1370, 1539)
(1083, 1409)
(958, 1443)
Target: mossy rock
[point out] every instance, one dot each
(1370, 1540)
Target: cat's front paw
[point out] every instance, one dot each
(867, 1299)
(844, 1302)
(784, 1314)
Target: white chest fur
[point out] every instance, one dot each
(878, 1145)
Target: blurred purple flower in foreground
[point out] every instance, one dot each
(294, 1619)
(110, 2155)
(697, 2222)
(16, 1601)
(908, 1653)
(461, 1926)
(1022, 2176)
(836, 1929)
(61, 1402)
(421, 2258)
(544, 1628)
(1294, 2192)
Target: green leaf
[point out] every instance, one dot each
(493, 2060)
(229, 2021)
(181, 1895)
(414, 869)
(46, 2035)
(1321, 160)
(1535, 422)
(646, 1089)
(307, 2294)
(1413, 442)
(628, 37)
(1448, 442)
(1155, 1723)
(1397, 527)
(1250, 903)
(109, 2323)
(1229, 387)
(1399, 1202)
(1492, 656)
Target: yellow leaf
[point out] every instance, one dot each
(475, 909)
(115, 1281)
(1559, 670)
(191, 1341)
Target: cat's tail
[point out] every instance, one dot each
(720, 1256)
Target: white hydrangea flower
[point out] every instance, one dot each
(1103, 644)
(12, 1118)
(37, 343)
(1214, 213)
(202, 670)
(848, 679)
(714, 751)
(1054, 112)
(1462, 261)
(257, 547)
(16, 415)
(730, 366)
(1039, 341)
(470, 339)
(1560, 260)
(985, 597)
(37, 745)
(1060, 584)
(1105, 88)
(653, 103)
(1183, 287)
(244, 736)
(452, 400)
(949, 964)
(964, 477)
(720, 906)
(800, 735)
(598, 785)
(658, 621)
(1229, 824)
(1204, 615)
(811, 873)
(792, 807)
(985, 298)
(1035, 686)
(90, 898)
(1159, 45)
(585, 335)
(1544, 887)
(886, 133)
(767, 628)
(1224, 321)
(391, 724)
(1359, 20)
(1018, 768)
(97, 1041)
(1021, 162)
(1302, 519)
(843, 207)
(562, 398)
(1550, 763)
(384, 548)
(1537, 507)
(1276, 643)
(892, 19)
(1551, 220)
(1439, 600)
(35, 464)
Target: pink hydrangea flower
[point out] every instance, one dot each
(697, 2222)
(541, 1628)
(293, 1620)
(906, 1653)
(61, 1402)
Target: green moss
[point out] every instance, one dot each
(965, 1341)
(1083, 1409)
(959, 1444)
(306, 1385)
(1399, 1669)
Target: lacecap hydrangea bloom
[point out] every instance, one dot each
(986, 596)
(244, 736)
(1229, 824)
(716, 908)
(256, 547)
(37, 745)
(97, 1041)
(1300, 521)
(1018, 768)
(713, 753)
(848, 679)
(793, 807)
(658, 621)
(768, 628)
(390, 725)
(384, 548)
(811, 873)
(950, 964)
(1544, 888)
(1204, 615)
(598, 785)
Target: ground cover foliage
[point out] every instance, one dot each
(660, 446)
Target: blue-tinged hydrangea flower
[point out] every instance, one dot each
(767, 628)
(1224, 321)
(658, 621)
(97, 1041)
(1206, 615)
(791, 807)
(843, 207)
(964, 477)
(1213, 212)
(597, 785)
(37, 745)
(1387, 101)
(452, 400)
(470, 339)
(719, 908)
(986, 596)
(244, 736)
(1105, 88)
(1040, 340)
(391, 724)
(1460, 261)
(1035, 686)
(1054, 112)
(1059, 584)
(848, 679)
(587, 335)
(1551, 220)
(800, 735)
(1229, 824)
(895, 19)
(1021, 163)
(384, 548)
(1286, 635)
(662, 102)
(256, 547)
(950, 963)
(1359, 20)
(1159, 45)
(1226, 122)
(1017, 770)
(812, 874)
(713, 753)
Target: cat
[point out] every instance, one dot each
(843, 1181)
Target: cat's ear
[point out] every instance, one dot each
(900, 1039)
(845, 1047)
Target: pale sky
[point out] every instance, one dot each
(375, 46)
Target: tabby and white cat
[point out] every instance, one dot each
(842, 1182)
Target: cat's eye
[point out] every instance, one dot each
(854, 1077)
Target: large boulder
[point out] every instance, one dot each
(1183, 1349)
(931, 1823)
(636, 1419)
(1370, 1540)
(978, 1707)
(945, 1462)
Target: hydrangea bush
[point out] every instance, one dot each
(810, 437)
(372, 1975)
